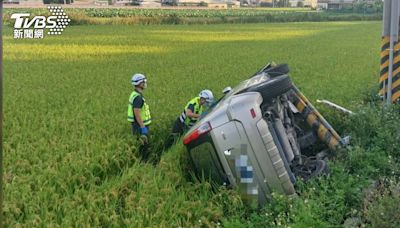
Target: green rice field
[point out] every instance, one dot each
(69, 156)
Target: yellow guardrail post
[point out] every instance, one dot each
(324, 130)
(389, 80)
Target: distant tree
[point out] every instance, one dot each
(203, 3)
(282, 3)
(300, 4)
(378, 5)
(362, 6)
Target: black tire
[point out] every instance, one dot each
(273, 71)
(312, 169)
(277, 70)
(319, 168)
(273, 87)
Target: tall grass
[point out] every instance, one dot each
(70, 159)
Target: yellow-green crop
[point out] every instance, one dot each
(70, 159)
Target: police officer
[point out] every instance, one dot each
(139, 114)
(193, 110)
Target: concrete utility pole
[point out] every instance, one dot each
(390, 53)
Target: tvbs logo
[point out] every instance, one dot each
(26, 28)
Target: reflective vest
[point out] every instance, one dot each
(144, 111)
(197, 110)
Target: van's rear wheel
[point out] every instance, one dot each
(273, 87)
(311, 169)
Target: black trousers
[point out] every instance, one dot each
(179, 127)
(144, 144)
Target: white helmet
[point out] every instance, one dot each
(137, 79)
(208, 95)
